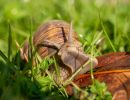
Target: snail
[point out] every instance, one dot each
(57, 38)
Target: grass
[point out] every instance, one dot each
(19, 19)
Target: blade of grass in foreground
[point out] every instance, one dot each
(91, 66)
(12, 68)
(9, 42)
(4, 56)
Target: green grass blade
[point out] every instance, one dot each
(9, 43)
(30, 38)
(56, 68)
(4, 56)
(104, 30)
(30, 45)
(108, 38)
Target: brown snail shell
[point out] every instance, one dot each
(52, 36)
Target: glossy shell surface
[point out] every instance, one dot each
(55, 32)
